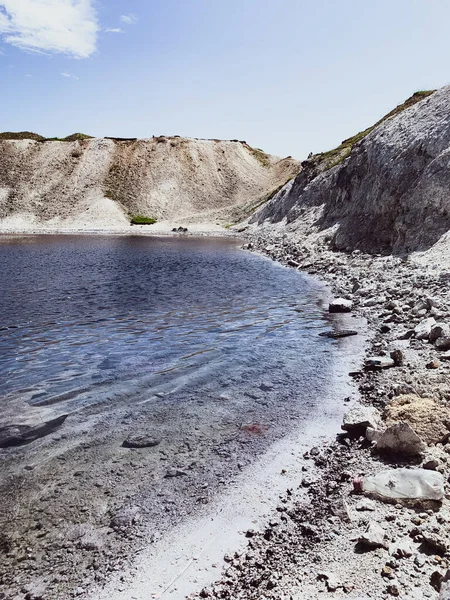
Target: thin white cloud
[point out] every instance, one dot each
(53, 26)
(69, 75)
(114, 30)
(129, 19)
(28, 75)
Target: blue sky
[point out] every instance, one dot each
(288, 76)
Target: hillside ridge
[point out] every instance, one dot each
(388, 194)
(104, 182)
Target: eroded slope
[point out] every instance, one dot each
(102, 182)
(389, 195)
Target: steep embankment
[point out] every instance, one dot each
(388, 192)
(101, 182)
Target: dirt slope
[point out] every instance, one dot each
(390, 194)
(101, 182)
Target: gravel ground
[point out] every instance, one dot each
(311, 548)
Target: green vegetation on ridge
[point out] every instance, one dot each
(327, 160)
(29, 135)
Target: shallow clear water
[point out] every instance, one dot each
(81, 316)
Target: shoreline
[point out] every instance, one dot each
(60, 491)
(298, 555)
(164, 229)
(177, 566)
(306, 563)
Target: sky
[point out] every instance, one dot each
(288, 76)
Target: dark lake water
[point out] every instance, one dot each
(82, 315)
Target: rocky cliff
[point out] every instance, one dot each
(102, 182)
(388, 192)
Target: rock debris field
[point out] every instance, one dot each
(344, 542)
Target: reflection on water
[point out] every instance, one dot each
(82, 315)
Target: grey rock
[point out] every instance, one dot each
(331, 580)
(439, 330)
(399, 438)
(406, 335)
(391, 193)
(125, 517)
(403, 549)
(434, 542)
(359, 418)
(420, 560)
(443, 343)
(379, 362)
(374, 536)
(423, 329)
(174, 473)
(397, 357)
(444, 593)
(366, 505)
(340, 305)
(431, 464)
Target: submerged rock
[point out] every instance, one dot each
(338, 334)
(18, 435)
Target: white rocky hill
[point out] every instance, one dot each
(104, 182)
(386, 191)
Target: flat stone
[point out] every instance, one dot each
(403, 549)
(18, 435)
(141, 441)
(338, 334)
(379, 362)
